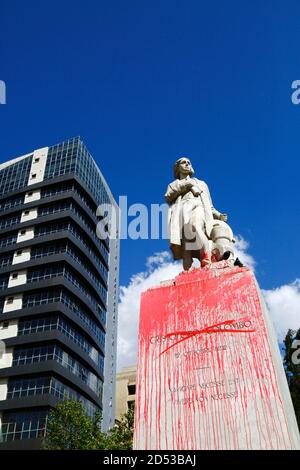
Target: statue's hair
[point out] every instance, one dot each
(176, 169)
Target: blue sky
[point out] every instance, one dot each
(143, 82)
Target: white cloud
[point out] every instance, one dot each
(240, 250)
(284, 307)
(159, 267)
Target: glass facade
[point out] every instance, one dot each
(8, 240)
(55, 288)
(9, 221)
(70, 250)
(27, 387)
(40, 325)
(24, 356)
(68, 187)
(18, 425)
(11, 202)
(88, 226)
(15, 176)
(72, 156)
(4, 282)
(47, 385)
(53, 228)
(6, 260)
(50, 296)
(58, 270)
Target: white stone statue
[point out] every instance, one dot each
(196, 228)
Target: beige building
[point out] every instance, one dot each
(125, 390)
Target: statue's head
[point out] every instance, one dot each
(183, 168)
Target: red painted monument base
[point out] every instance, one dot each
(210, 375)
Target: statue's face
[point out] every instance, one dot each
(185, 167)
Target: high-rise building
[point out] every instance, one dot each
(58, 291)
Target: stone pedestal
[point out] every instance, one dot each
(210, 375)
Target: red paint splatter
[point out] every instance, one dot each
(211, 391)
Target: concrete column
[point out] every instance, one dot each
(33, 195)
(29, 214)
(38, 166)
(17, 279)
(25, 234)
(9, 329)
(20, 256)
(13, 302)
(3, 389)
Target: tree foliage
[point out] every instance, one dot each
(292, 369)
(70, 428)
(121, 436)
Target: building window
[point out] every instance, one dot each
(18, 425)
(130, 405)
(49, 352)
(32, 386)
(46, 324)
(131, 389)
(15, 176)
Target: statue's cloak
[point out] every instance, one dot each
(181, 211)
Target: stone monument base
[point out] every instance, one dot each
(210, 374)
